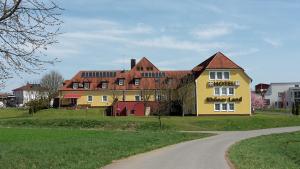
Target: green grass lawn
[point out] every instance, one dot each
(276, 151)
(36, 148)
(94, 118)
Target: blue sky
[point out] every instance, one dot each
(262, 36)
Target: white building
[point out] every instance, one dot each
(283, 95)
(29, 92)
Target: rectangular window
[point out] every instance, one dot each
(217, 107)
(90, 99)
(121, 82)
(212, 75)
(104, 99)
(230, 91)
(137, 98)
(86, 85)
(224, 91)
(224, 106)
(219, 75)
(104, 85)
(137, 82)
(217, 91)
(75, 85)
(231, 106)
(226, 76)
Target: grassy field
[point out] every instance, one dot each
(77, 149)
(276, 151)
(94, 118)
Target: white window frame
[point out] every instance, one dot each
(77, 84)
(136, 97)
(217, 78)
(104, 86)
(88, 99)
(228, 93)
(219, 89)
(137, 82)
(103, 100)
(224, 75)
(226, 89)
(121, 82)
(222, 107)
(228, 107)
(219, 107)
(216, 75)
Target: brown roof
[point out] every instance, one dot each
(29, 86)
(128, 76)
(216, 61)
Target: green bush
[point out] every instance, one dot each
(37, 105)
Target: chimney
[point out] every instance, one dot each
(132, 63)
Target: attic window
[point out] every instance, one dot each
(121, 82)
(149, 68)
(104, 85)
(86, 85)
(137, 82)
(75, 85)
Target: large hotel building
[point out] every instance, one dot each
(217, 86)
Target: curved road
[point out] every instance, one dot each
(207, 153)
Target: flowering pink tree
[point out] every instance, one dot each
(257, 102)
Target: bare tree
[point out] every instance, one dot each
(27, 27)
(52, 82)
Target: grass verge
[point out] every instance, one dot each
(93, 118)
(275, 151)
(77, 149)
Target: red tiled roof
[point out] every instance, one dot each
(128, 76)
(216, 61)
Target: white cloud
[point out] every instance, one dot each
(272, 42)
(138, 36)
(244, 52)
(216, 30)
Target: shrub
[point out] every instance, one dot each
(293, 109)
(297, 109)
(37, 105)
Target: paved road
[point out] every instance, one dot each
(207, 153)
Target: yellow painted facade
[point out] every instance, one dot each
(97, 96)
(204, 91)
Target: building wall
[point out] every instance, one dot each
(243, 90)
(97, 96)
(272, 94)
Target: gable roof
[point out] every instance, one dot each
(216, 61)
(128, 76)
(144, 62)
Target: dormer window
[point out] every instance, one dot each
(86, 85)
(75, 85)
(137, 82)
(104, 85)
(121, 82)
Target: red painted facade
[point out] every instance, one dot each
(135, 108)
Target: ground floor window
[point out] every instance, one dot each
(90, 99)
(224, 107)
(137, 98)
(104, 99)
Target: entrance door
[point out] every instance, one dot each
(73, 102)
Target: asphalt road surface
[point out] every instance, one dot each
(206, 153)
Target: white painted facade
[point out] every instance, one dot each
(282, 95)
